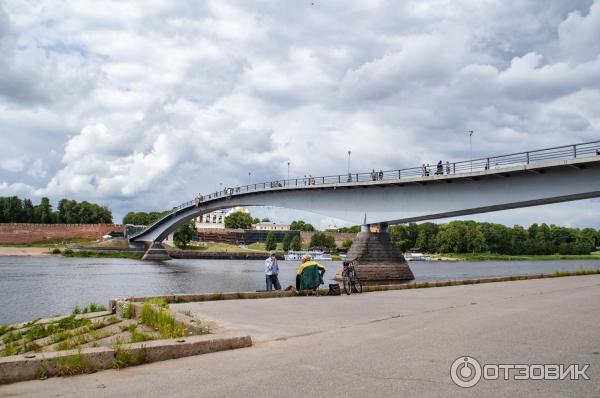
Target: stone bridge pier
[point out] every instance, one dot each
(377, 259)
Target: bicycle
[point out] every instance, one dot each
(350, 278)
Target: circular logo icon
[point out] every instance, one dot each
(465, 372)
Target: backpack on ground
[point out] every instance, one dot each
(334, 289)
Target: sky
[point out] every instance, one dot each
(139, 105)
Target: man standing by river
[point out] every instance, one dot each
(271, 272)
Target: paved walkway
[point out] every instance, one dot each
(396, 343)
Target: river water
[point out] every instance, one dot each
(31, 287)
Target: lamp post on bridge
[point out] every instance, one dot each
(249, 177)
(288, 163)
(349, 153)
(471, 147)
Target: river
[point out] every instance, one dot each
(32, 287)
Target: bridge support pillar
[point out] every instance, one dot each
(156, 252)
(377, 259)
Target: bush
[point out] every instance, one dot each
(320, 239)
(296, 244)
(271, 242)
(238, 220)
(163, 321)
(347, 243)
(286, 242)
(56, 250)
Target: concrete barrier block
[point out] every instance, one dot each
(29, 367)
(160, 350)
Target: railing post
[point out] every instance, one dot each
(527, 157)
(323, 181)
(339, 179)
(574, 151)
(296, 182)
(255, 187)
(399, 174)
(487, 164)
(453, 168)
(356, 177)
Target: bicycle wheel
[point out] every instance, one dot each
(356, 285)
(347, 284)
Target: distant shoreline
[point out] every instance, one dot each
(6, 251)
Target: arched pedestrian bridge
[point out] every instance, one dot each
(544, 176)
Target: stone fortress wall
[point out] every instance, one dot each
(12, 233)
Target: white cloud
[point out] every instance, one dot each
(141, 106)
(12, 165)
(579, 34)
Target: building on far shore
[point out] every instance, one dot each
(216, 219)
(268, 226)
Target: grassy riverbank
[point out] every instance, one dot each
(524, 257)
(107, 254)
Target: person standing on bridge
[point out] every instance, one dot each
(271, 272)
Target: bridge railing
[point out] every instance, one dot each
(427, 170)
(566, 152)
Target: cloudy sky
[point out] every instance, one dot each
(138, 105)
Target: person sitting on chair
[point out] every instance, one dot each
(310, 274)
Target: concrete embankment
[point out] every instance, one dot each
(387, 344)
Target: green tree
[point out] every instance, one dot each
(143, 218)
(27, 211)
(185, 234)
(286, 242)
(300, 225)
(347, 243)
(426, 235)
(238, 220)
(296, 244)
(320, 239)
(266, 219)
(45, 211)
(353, 229)
(271, 242)
(255, 221)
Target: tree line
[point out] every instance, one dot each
(483, 237)
(142, 217)
(16, 210)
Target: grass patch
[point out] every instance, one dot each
(128, 313)
(162, 303)
(74, 364)
(124, 358)
(92, 307)
(11, 337)
(91, 254)
(575, 273)
(138, 337)
(4, 329)
(10, 349)
(161, 320)
(524, 257)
